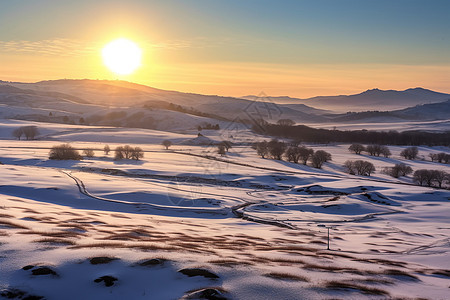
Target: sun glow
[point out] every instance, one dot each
(122, 56)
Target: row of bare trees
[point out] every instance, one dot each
(30, 132)
(306, 134)
(373, 150)
(359, 167)
(276, 149)
(67, 152)
(398, 170)
(128, 152)
(431, 177)
(410, 153)
(440, 157)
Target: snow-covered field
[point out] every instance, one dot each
(188, 223)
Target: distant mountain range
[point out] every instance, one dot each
(374, 99)
(122, 103)
(127, 94)
(433, 111)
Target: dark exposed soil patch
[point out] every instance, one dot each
(101, 260)
(191, 272)
(108, 280)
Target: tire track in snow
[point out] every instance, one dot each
(140, 205)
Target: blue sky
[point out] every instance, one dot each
(396, 32)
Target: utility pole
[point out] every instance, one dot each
(328, 246)
(328, 235)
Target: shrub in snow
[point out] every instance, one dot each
(64, 152)
(88, 152)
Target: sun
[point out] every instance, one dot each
(122, 56)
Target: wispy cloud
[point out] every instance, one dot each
(72, 47)
(51, 47)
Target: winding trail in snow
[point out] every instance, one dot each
(234, 209)
(140, 205)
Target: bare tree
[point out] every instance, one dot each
(305, 154)
(433, 156)
(410, 153)
(439, 177)
(398, 170)
(293, 154)
(424, 176)
(377, 150)
(64, 151)
(360, 167)
(364, 168)
(30, 132)
(371, 150)
(136, 153)
(385, 151)
(276, 149)
(349, 167)
(356, 148)
(17, 133)
(420, 176)
(167, 144)
(88, 152)
(118, 153)
(262, 149)
(127, 151)
(106, 149)
(319, 158)
(403, 169)
(441, 157)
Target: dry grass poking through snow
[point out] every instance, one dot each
(275, 253)
(339, 285)
(286, 276)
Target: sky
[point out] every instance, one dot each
(299, 48)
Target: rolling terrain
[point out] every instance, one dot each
(234, 226)
(120, 103)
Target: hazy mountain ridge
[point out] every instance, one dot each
(368, 100)
(93, 100)
(433, 111)
(126, 94)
